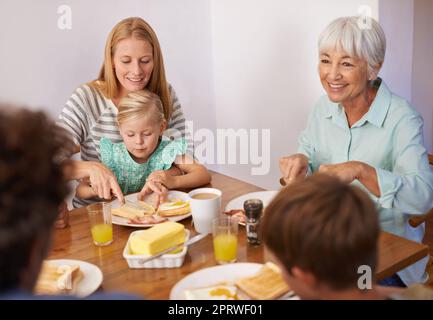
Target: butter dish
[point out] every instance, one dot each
(137, 261)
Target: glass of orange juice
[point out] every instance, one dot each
(100, 223)
(225, 239)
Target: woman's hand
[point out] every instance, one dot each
(159, 189)
(352, 170)
(103, 181)
(162, 177)
(346, 171)
(293, 167)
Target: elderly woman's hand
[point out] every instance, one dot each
(293, 167)
(103, 181)
(352, 170)
(346, 171)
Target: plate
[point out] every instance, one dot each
(133, 197)
(212, 276)
(238, 203)
(92, 276)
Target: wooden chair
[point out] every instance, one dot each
(415, 221)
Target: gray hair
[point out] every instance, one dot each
(348, 34)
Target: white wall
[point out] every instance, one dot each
(422, 65)
(396, 19)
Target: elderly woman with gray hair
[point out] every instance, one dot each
(364, 134)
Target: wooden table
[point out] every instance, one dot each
(75, 242)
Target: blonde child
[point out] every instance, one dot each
(143, 161)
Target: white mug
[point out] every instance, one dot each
(205, 210)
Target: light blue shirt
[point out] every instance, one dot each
(389, 137)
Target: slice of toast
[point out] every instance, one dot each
(267, 284)
(58, 279)
(130, 212)
(175, 207)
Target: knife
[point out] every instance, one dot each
(187, 243)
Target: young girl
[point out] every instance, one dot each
(143, 160)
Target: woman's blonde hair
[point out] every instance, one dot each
(138, 104)
(107, 81)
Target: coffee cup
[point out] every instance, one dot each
(205, 206)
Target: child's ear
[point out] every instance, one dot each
(305, 277)
(163, 126)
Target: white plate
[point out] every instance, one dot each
(92, 276)
(133, 197)
(238, 203)
(212, 276)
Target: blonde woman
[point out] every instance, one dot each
(132, 62)
(141, 162)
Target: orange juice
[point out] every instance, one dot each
(102, 233)
(225, 247)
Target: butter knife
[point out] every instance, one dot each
(186, 243)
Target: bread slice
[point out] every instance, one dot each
(267, 284)
(58, 279)
(130, 212)
(174, 208)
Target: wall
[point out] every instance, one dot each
(422, 66)
(396, 19)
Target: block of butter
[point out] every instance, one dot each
(158, 238)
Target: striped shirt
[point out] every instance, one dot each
(88, 116)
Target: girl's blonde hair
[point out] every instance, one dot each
(107, 81)
(138, 104)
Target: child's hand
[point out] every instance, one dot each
(162, 177)
(152, 186)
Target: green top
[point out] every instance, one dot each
(131, 175)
